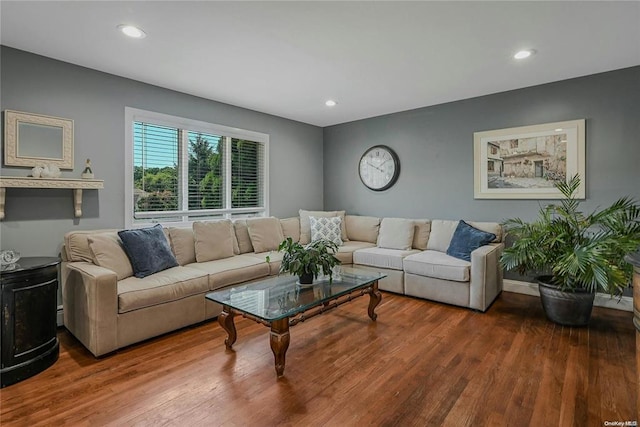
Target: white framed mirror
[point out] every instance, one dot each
(36, 140)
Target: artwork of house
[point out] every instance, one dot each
(527, 162)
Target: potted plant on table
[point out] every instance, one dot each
(576, 254)
(307, 261)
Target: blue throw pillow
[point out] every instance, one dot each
(466, 239)
(148, 250)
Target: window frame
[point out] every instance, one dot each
(226, 132)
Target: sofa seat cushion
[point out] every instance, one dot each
(438, 265)
(229, 271)
(165, 286)
(381, 257)
(345, 252)
(275, 259)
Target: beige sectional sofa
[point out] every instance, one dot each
(106, 307)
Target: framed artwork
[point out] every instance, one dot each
(525, 162)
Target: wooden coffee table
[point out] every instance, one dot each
(279, 302)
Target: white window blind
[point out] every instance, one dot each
(206, 171)
(184, 170)
(247, 158)
(155, 159)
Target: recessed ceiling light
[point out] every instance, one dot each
(558, 130)
(524, 54)
(131, 31)
(330, 103)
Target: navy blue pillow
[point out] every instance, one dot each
(148, 250)
(466, 239)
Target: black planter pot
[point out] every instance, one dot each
(306, 278)
(569, 308)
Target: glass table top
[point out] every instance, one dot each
(280, 296)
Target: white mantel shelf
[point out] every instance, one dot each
(77, 185)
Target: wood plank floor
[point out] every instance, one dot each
(421, 363)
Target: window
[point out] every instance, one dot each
(181, 170)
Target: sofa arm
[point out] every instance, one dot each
(486, 276)
(90, 305)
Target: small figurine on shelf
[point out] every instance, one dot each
(87, 173)
(36, 172)
(50, 171)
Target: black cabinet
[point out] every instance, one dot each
(29, 306)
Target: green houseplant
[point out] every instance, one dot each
(575, 254)
(307, 261)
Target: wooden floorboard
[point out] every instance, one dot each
(420, 364)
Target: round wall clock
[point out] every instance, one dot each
(379, 168)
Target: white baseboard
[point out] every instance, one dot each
(60, 317)
(602, 300)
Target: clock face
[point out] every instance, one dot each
(379, 167)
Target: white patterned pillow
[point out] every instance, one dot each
(326, 228)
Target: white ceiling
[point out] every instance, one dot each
(373, 58)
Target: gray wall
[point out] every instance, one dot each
(435, 146)
(36, 220)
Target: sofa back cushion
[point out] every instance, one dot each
(148, 250)
(266, 234)
(183, 244)
(489, 227)
(421, 232)
(76, 244)
(362, 228)
(305, 225)
(242, 236)
(291, 228)
(213, 239)
(107, 251)
(396, 233)
(442, 232)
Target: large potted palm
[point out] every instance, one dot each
(575, 255)
(307, 261)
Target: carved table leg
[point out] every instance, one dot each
(374, 299)
(226, 321)
(279, 339)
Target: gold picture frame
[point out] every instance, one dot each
(524, 162)
(36, 140)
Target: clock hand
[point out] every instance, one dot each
(374, 166)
